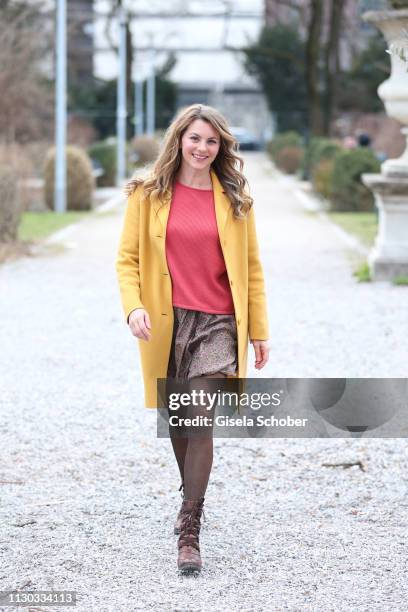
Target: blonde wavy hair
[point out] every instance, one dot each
(160, 181)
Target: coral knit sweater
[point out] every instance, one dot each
(193, 251)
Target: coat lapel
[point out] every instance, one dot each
(222, 208)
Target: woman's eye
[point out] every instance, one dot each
(196, 138)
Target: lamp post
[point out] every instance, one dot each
(60, 182)
(121, 112)
(139, 112)
(151, 91)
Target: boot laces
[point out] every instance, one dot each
(182, 497)
(191, 526)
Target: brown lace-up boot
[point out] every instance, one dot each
(189, 559)
(177, 524)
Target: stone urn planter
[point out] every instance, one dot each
(389, 257)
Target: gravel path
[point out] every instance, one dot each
(93, 492)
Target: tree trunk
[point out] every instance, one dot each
(312, 68)
(332, 63)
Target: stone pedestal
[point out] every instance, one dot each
(389, 257)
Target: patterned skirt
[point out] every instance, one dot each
(202, 344)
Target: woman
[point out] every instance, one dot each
(192, 285)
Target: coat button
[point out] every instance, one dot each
(231, 283)
(239, 321)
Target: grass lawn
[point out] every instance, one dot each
(363, 225)
(37, 225)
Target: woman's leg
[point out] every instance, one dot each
(178, 439)
(197, 468)
(199, 452)
(180, 448)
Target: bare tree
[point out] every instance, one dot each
(26, 99)
(332, 60)
(312, 66)
(322, 26)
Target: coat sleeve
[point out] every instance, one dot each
(127, 261)
(257, 310)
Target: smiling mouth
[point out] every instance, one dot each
(200, 157)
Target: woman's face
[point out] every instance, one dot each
(200, 144)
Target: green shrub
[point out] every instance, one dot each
(289, 159)
(399, 4)
(280, 141)
(400, 280)
(80, 180)
(347, 192)
(10, 209)
(145, 149)
(322, 177)
(318, 149)
(105, 154)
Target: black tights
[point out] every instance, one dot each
(194, 451)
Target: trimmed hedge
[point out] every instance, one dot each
(80, 180)
(347, 192)
(10, 210)
(318, 149)
(145, 149)
(283, 140)
(322, 177)
(289, 159)
(105, 154)
(399, 4)
(319, 154)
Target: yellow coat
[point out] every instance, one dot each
(145, 282)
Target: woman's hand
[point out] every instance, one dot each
(139, 323)
(261, 348)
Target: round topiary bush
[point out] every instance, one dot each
(322, 177)
(105, 154)
(10, 210)
(145, 149)
(289, 159)
(347, 192)
(280, 141)
(319, 149)
(80, 180)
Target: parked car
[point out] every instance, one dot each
(247, 140)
